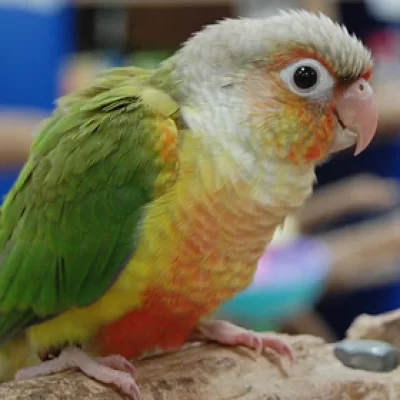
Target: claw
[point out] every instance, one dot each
(113, 369)
(226, 333)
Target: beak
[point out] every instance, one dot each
(356, 112)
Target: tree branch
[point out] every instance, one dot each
(211, 372)
(385, 327)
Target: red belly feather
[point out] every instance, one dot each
(164, 321)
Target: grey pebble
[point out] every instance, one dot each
(369, 355)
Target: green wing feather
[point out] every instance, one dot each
(71, 219)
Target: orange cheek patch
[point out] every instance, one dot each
(314, 142)
(313, 152)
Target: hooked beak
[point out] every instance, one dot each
(357, 117)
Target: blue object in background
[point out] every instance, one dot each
(35, 38)
(289, 279)
(381, 158)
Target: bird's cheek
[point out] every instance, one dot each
(314, 139)
(322, 136)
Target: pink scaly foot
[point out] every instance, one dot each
(226, 333)
(113, 369)
(118, 363)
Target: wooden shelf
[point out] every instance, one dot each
(168, 27)
(157, 23)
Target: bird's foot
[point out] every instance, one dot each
(114, 369)
(226, 333)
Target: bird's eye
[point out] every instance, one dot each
(308, 78)
(305, 77)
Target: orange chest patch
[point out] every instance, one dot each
(216, 245)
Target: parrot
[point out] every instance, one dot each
(148, 196)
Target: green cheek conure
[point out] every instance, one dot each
(149, 196)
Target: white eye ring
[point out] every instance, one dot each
(323, 80)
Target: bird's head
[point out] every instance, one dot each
(295, 86)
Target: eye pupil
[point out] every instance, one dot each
(305, 77)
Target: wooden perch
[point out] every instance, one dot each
(384, 327)
(211, 372)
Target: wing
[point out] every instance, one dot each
(72, 219)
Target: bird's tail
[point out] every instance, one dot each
(14, 355)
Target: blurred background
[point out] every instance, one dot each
(335, 260)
